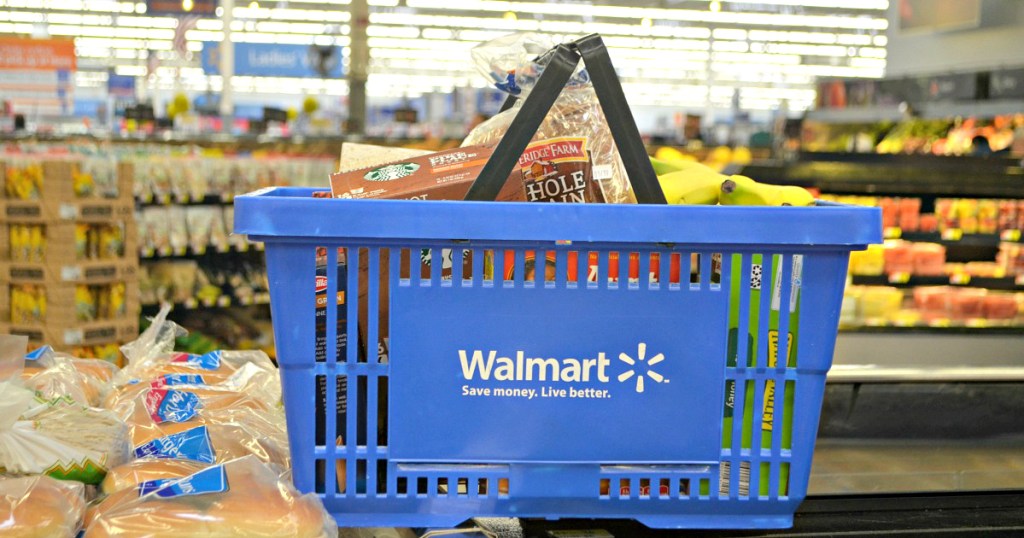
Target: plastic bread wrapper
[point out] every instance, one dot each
(137, 471)
(232, 432)
(153, 362)
(242, 497)
(40, 506)
(253, 386)
(58, 375)
(513, 64)
(57, 438)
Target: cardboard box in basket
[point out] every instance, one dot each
(374, 172)
(55, 197)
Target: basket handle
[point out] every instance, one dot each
(564, 59)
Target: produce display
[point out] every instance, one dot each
(936, 306)
(178, 444)
(949, 137)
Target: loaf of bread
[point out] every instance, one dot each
(253, 500)
(40, 507)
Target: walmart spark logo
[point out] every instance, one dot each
(641, 353)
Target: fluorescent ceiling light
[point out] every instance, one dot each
(831, 4)
(722, 17)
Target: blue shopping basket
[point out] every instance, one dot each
(448, 360)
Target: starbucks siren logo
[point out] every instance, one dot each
(391, 172)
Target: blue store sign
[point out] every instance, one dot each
(276, 60)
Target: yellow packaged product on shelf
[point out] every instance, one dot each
(870, 261)
(880, 302)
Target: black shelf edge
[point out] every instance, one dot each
(904, 177)
(172, 200)
(959, 239)
(1015, 330)
(979, 513)
(224, 301)
(999, 284)
(191, 253)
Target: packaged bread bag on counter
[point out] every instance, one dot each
(242, 497)
(57, 375)
(172, 424)
(135, 472)
(58, 437)
(153, 363)
(40, 507)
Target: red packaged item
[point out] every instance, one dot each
(899, 257)
(929, 259)
(967, 304)
(1007, 215)
(945, 214)
(890, 212)
(928, 222)
(910, 214)
(933, 299)
(999, 306)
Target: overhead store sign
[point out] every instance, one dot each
(37, 54)
(158, 8)
(37, 74)
(275, 60)
(1006, 84)
(122, 86)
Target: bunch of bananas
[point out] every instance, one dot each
(690, 182)
(24, 182)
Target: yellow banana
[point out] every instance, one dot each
(668, 153)
(740, 190)
(691, 186)
(662, 166)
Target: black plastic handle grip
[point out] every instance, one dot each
(560, 67)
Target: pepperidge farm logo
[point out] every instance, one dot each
(489, 373)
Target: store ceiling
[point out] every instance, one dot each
(680, 53)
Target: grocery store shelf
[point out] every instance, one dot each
(903, 280)
(899, 176)
(929, 349)
(171, 199)
(924, 110)
(976, 327)
(954, 237)
(224, 301)
(873, 373)
(859, 467)
(191, 252)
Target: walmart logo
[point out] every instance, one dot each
(641, 353)
(518, 366)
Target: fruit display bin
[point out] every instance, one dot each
(526, 385)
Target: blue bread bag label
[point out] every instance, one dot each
(211, 480)
(168, 405)
(206, 361)
(193, 444)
